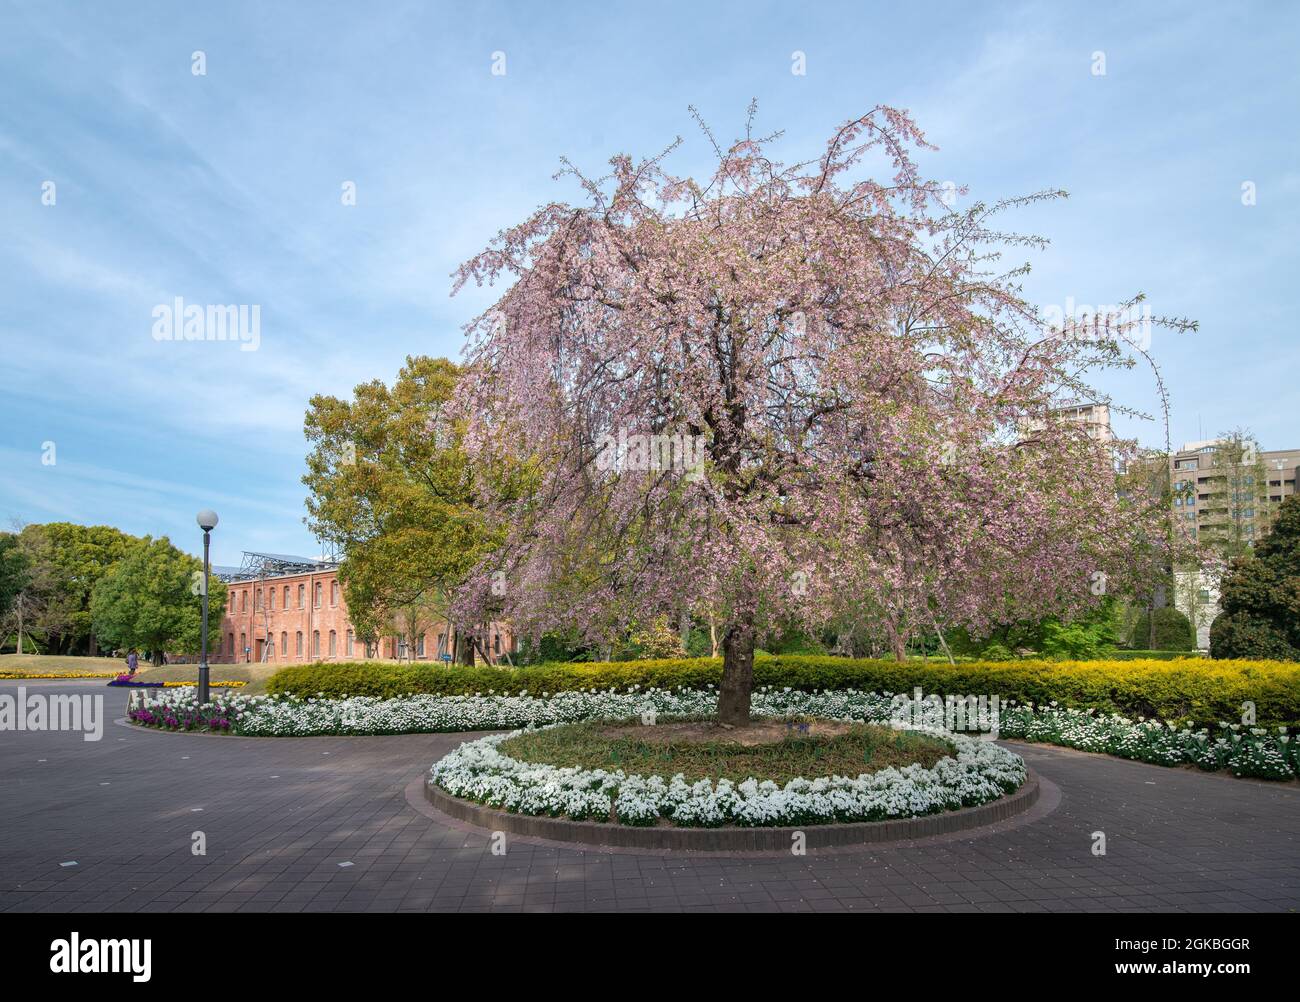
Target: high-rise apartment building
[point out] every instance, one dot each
(1228, 493)
(1225, 495)
(1093, 416)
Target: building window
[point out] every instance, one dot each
(348, 643)
(496, 643)
(284, 643)
(334, 643)
(243, 643)
(243, 601)
(419, 646)
(316, 597)
(286, 597)
(270, 599)
(315, 643)
(298, 645)
(334, 593)
(231, 637)
(302, 596)
(257, 599)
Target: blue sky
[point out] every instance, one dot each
(225, 188)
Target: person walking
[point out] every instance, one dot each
(133, 661)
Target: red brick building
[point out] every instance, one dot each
(286, 610)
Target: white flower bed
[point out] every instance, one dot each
(1244, 751)
(477, 770)
(293, 716)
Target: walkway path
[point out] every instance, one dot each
(282, 816)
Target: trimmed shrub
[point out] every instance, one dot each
(1192, 690)
(1242, 635)
(1173, 630)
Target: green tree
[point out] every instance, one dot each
(14, 573)
(1086, 636)
(390, 486)
(151, 600)
(1260, 595)
(71, 559)
(560, 647)
(40, 611)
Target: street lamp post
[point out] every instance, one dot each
(207, 520)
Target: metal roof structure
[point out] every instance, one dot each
(269, 565)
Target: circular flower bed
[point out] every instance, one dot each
(976, 772)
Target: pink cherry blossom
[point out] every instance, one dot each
(872, 395)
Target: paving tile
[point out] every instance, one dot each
(1191, 843)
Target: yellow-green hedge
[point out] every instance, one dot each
(1189, 689)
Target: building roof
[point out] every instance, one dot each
(262, 565)
(285, 558)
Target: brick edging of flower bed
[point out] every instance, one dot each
(817, 836)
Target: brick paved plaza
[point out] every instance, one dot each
(281, 816)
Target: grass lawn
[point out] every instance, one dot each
(704, 751)
(55, 665)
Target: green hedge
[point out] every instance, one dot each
(1124, 655)
(1199, 690)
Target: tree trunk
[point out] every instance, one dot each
(684, 627)
(898, 641)
(157, 658)
(737, 672)
(942, 643)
